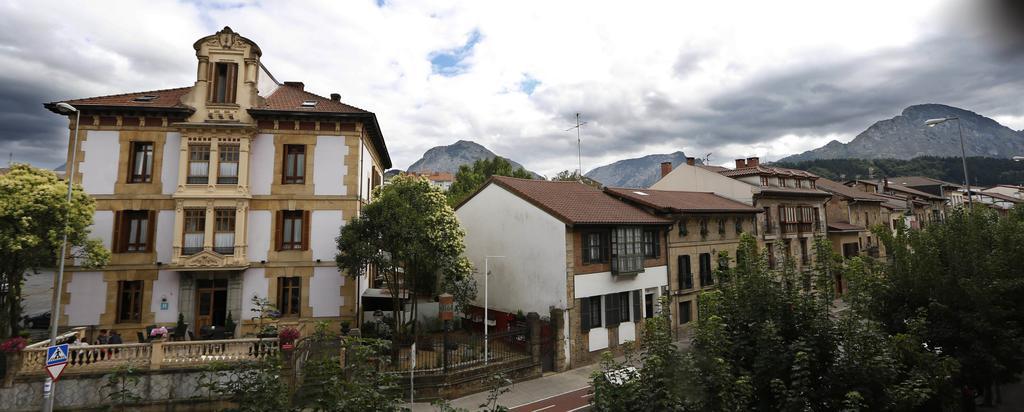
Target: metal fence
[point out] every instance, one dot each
(464, 351)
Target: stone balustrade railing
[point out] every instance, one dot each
(155, 355)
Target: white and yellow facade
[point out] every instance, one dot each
(212, 194)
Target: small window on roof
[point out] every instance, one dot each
(146, 98)
(308, 103)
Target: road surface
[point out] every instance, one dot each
(576, 400)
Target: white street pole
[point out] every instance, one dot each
(49, 387)
(487, 275)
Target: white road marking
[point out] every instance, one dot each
(549, 397)
(546, 407)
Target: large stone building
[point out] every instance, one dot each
(211, 194)
(792, 205)
(596, 264)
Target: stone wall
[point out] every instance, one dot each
(159, 390)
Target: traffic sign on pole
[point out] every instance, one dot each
(56, 360)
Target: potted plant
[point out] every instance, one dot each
(287, 337)
(181, 328)
(265, 311)
(346, 326)
(11, 348)
(229, 326)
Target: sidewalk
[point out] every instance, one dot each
(530, 391)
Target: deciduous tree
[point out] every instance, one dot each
(469, 178)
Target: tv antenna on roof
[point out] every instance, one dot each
(579, 147)
(707, 159)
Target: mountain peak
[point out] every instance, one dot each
(449, 158)
(906, 137)
(640, 172)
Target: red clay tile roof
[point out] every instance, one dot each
(919, 181)
(163, 99)
(575, 202)
(716, 169)
(290, 98)
(679, 201)
(999, 196)
(843, 227)
(767, 170)
(840, 189)
(902, 189)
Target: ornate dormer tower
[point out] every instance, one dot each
(226, 79)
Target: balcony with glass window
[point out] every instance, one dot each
(213, 167)
(208, 238)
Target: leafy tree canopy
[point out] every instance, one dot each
(33, 213)
(469, 178)
(574, 176)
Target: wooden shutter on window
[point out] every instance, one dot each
(232, 86)
(151, 222)
(116, 239)
(585, 314)
(305, 229)
(611, 309)
(636, 306)
(279, 230)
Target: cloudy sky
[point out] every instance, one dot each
(728, 78)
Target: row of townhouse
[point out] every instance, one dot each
(598, 260)
(209, 195)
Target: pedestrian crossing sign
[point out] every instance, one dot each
(56, 360)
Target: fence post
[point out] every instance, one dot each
(444, 348)
(156, 354)
(533, 323)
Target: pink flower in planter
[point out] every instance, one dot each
(12, 345)
(288, 334)
(158, 332)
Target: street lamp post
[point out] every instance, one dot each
(50, 386)
(963, 152)
(487, 275)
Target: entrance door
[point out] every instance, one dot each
(211, 302)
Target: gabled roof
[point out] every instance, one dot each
(573, 203)
(844, 227)
(999, 196)
(840, 189)
(901, 189)
(680, 201)
(290, 98)
(919, 181)
(716, 169)
(156, 100)
(767, 170)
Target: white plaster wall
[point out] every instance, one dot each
(102, 227)
(594, 284)
(695, 179)
(531, 277)
(597, 339)
(627, 330)
(88, 293)
(99, 168)
(166, 286)
(324, 227)
(261, 164)
(164, 236)
(254, 283)
(259, 235)
(169, 168)
(329, 166)
(325, 291)
(265, 85)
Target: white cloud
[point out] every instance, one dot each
(643, 75)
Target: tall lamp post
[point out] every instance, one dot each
(49, 386)
(963, 152)
(487, 275)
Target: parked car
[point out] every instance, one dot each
(38, 321)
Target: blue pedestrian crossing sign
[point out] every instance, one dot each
(56, 360)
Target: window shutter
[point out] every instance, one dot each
(611, 309)
(305, 229)
(232, 86)
(151, 222)
(279, 230)
(636, 306)
(115, 240)
(657, 243)
(585, 314)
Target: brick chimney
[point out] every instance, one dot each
(666, 168)
(297, 85)
(753, 161)
(741, 163)
(691, 161)
(335, 97)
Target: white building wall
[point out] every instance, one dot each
(99, 168)
(164, 236)
(366, 165)
(594, 284)
(325, 291)
(696, 179)
(102, 227)
(88, 300)
(531, 277)
(324, 228)
(261, 164)
(165, 289)
(259, 234)
(329, 167)
(169, 168)
(254, 283)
